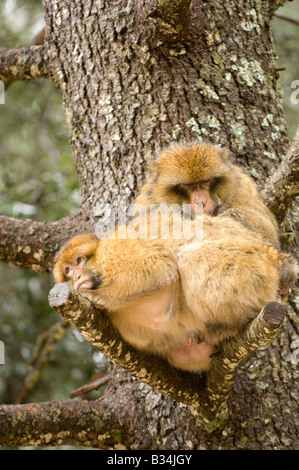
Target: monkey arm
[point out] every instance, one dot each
(133, 269)
(255, 221)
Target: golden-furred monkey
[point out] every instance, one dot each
(200, 173)
(174, 297)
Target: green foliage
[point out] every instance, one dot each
(37, 181)
(286, 40)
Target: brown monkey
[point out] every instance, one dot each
(175, 298)
(199, 173)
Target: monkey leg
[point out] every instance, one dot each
(226, 282)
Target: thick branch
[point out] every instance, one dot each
(97, 423)
(23, 64)
(283, 186)
(84, 423)
(38, 40)
(31, 244)
(208, 401)
(263, 329)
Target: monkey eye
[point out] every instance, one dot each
(79, 259)
(67, 270)
(188, 184)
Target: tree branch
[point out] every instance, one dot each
(275, 4)
(45, 345)
(96, 328)
(206, 396)
(283, 186)
(287, 18)
(261, 331)
(38, 40)
(94, 385)
(30, 244)
(83, 423)
(23, 64)
(97, 423)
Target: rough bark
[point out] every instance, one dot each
(30, 244)
(133, 78)
(130, 91)
(283, 186)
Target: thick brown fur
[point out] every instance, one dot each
(158, 293)
(233, 192)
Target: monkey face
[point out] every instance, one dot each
(196, 193)
(76, 273)
(200, 193)
(189, 174)
(73, 261)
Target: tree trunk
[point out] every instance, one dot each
(133, 82)
(136, 75)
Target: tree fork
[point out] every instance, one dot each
(261, 331)
(206, 395)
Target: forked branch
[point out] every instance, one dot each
(206, 395)
(49, 424)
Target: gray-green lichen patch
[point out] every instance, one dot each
(192, 123)
(249, 71)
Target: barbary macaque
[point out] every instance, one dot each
(200, 173)
(173, 297)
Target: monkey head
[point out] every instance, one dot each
(74, 263)
(194, 173)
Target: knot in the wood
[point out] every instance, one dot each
(59, 294)
(273, 314)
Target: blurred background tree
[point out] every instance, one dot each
(38, 181)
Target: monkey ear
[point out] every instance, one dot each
(224, 153)
(153, 165)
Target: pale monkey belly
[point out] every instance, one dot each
(151, 318)
(155, 311)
